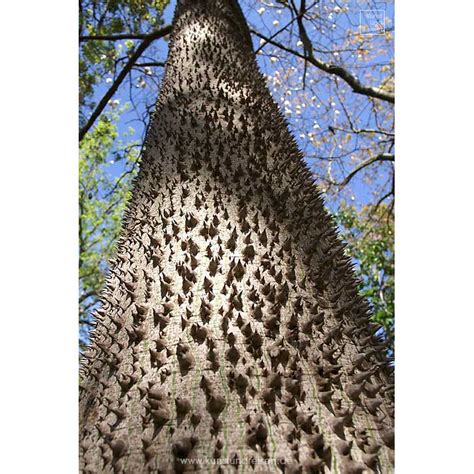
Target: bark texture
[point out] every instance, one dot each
(231, 334)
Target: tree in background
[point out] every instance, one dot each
(230, 326)
(332, 78)
(102, 201)
(108, 158)
(369, 234)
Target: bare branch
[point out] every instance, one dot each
(381, 157)
(307, 45)
(150, 64)
(123, 73)
(358, 131)
(339, 71)
(382, 199)
(87, 295)
(123, 36)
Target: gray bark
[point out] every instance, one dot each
(230, 327)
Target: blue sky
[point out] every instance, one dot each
(360, 193)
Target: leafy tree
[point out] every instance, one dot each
(369, 234)
(110, 19)
(108, 157)
(230, 326)
(102, 200)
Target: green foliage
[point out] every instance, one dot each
(102, 200)
(101, 58)
(107, 161)
(369, 234)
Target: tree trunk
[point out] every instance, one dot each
(231, 331)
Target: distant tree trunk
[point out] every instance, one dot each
(230, 327)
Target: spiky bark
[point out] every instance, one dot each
(230, 327)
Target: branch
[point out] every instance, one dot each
(273, 35)
(278, 31)
(123, 73)
(150, 64)
(123, 36)
(85, 308)
(87, 295)
(385, 196)
(307, 45)
(339, 71)
(117, 183)
(358, 131)
(381, 157)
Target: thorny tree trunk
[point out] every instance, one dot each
(230, 326)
